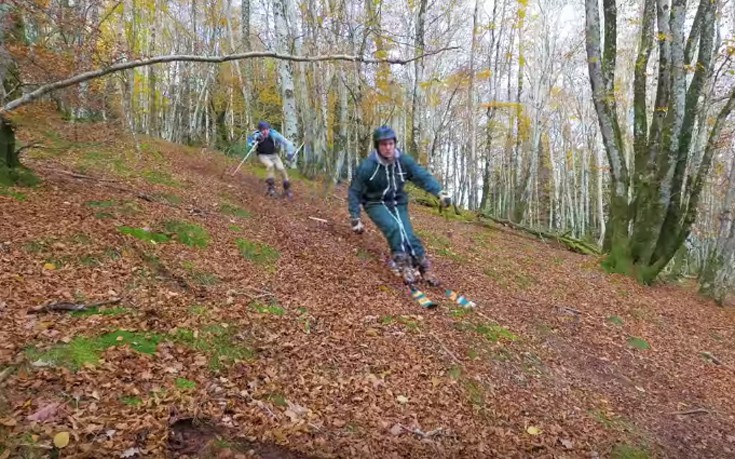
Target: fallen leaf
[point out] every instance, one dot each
(435, 381)
(8, 422)
(371, 332)
(41, 363)
(61, 439)
(402, 399)
(568, 444)
(49, 266)
(396, 430)
(130, 452)
(533, 430)
(297, 409)
(45, 413)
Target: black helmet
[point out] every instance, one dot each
(383, 133)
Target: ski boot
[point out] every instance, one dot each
(287, 190)
(394, 269)
(271, 187)
(405, 267)
(424, 267)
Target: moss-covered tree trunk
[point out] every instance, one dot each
(8, 152)
(644, 232)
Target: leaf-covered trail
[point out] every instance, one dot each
(287, 336)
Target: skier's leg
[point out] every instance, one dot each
(418, 252)
(269, 163)
(416, 247)
(380, 215)
(389, 223)
(282, 170)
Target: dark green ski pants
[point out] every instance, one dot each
(395, 225)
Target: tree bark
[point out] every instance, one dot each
(417, 97)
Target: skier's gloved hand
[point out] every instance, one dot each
(357, 226)
(444, 199)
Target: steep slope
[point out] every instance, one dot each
(251, 326)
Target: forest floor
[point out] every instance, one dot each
(257, 327)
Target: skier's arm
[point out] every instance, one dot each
(421, 176)
(282, 140)
(253, 139)
(354, 196)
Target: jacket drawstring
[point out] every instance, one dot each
(376, 171)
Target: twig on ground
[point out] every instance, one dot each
(712, 358)
(449, 353)
(432, 433)
(319, 219)
(71, 307)
(79, 176)
(5, 373)
(690, 412)
(263, 406)
(570, 311)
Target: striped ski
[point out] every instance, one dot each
(460, 300)
(421, 298)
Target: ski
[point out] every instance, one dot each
(421, 298)
(460, 300)
(412, 277)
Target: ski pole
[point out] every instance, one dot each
(245, 158)
(293, 158)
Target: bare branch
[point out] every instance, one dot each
(86, 76)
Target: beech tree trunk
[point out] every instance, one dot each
(665, 199)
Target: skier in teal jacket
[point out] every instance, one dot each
(378, 187)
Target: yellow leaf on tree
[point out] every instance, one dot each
(49, 266)
(61, 439)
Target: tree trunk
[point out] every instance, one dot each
(472, 166)
(718, 278)
(417, 99)
(285, 73)
(8, 153)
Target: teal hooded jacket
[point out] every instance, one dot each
(379, 182)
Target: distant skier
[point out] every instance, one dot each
(378, 186)
(269, 142)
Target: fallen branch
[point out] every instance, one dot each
(571, 311)
(72, 307)
(711, 357)
(319, 219)
(252, 296)
(79, 176)
(28, 147)
(5, 373)
(575, 245)
(690, 412)
(86, 76)
(425, 435)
